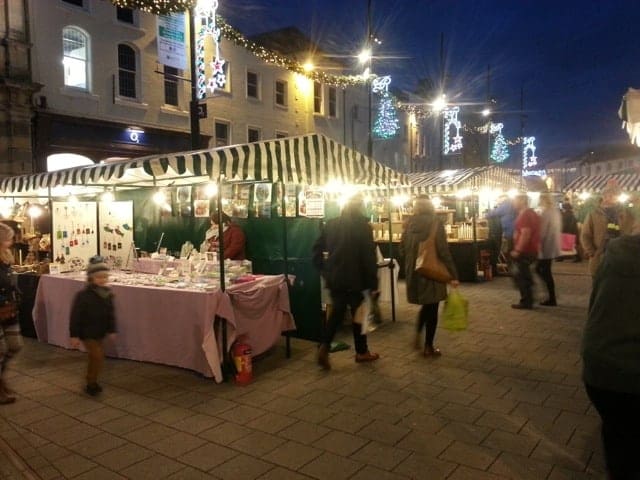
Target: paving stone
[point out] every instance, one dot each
(283, 405)
(521, 467)
(563, 456)
(176, 445)
(292, 455)
(123, 457)
(123, 425)
(332, 466)
(347, 422)
(380, 455)
(170, 415)
(313, 413)
(424, 422)
(225, 433)
(196, 424)
(257, 443)
(321, 397)
(242, 467)
(369, 473)
(241, 414)
(151, 433)
(474, 456)
(280, 473)
(99, 473)
(72, 435)
(384, 432)
(341, 443)
(511, 442)
(466, 473)
(501, 421)
(466, 432)
(495, 404)
(96, 445)
(208, 456)
(425, 443)
(271, 422)
(101, 415)
(460, 413)
(51, 451)
(190, 473)
(153, 468)
(559, 473)
(73, 465)
(304, 432)
(418, 466)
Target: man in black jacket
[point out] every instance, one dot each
(345, 253)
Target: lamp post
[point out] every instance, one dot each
(370, 55)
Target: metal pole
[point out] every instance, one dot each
(393, 293)
(368, 83)
(193, 106)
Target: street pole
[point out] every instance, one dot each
(489, 103)
(193, 106)
(368, 83)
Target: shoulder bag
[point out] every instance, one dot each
(428, 264)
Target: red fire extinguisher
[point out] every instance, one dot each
(242, 361)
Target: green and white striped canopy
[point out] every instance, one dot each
(311, 159)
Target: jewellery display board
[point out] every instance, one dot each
(74, 237)
(116, 231)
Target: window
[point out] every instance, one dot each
(253, 90)
(77, 3)
(281, 134)
(75, 58)
(171, 85)
(253, 134)
(124, 14)
(281, 93)
(317, 97)
(333, 102)
(222, 134)
(126, 71)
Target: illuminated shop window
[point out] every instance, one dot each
(75, 47)
(60, 161)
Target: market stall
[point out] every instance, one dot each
(460, 198)
(266, 186)
(627, 182)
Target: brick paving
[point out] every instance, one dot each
(504, 401)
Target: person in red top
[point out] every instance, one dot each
(233, 238)
(526, 244)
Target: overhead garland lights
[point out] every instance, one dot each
(157, 7)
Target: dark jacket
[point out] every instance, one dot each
(611, 342)
(92, 316)
(421, 290)
(351, 264)
(8, 292)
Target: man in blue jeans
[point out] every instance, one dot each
(345, 253)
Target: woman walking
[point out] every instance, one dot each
(10, 338)
(550, 243)
(421, 290)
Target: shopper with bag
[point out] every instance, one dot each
(423, 227)
(345, 253)
(10, 338)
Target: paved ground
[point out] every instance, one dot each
(504, 401)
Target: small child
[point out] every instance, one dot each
(93, 318)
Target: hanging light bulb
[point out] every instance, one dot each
(34, 211)
(211, 190)
(159, 198)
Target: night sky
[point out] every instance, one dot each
(574, 59)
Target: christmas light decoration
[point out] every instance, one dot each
(499, 151)
(157, 7)
(452, 140)
(205, 18)
(529, 159)
(386, 124)
(163, 7)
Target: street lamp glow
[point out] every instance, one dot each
(486, 112)
(365, 55)
(308, 67)
(439, 103)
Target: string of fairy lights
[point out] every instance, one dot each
(164, 7)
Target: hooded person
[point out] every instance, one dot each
(92, 319)
(420, 289)
(10, 337)
(345, 253)
(611, 352)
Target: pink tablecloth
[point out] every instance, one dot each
(164, 325)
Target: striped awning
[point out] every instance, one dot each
(451, 181)
(308, 159)
(629, 182)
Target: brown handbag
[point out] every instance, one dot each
(428, 264)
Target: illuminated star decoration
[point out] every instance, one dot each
(205, 14)
(386, 124)
(500, 150)
(452, 139)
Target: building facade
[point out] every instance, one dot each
(104, 94)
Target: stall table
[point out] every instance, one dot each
(173, 326)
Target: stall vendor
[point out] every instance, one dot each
(233, 238)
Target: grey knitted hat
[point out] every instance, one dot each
(96, 264)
